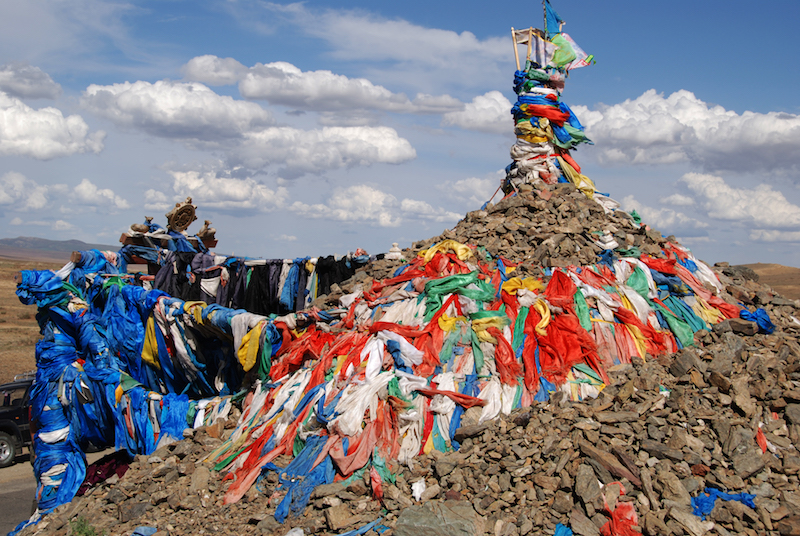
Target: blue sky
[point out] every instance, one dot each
(320, 127)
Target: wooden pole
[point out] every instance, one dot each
(514, 40)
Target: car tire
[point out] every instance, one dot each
(8, 450)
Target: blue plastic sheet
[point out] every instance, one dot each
(760, 317)
(703, 504)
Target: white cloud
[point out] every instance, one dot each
(21, 80)
(772, 235)
(422, 210)
(45, 133)
(168, 109)
(663, 219)
(61, 225)
(486, 113)
(87, 193)
(678, 200)
(214, 71)
(761, 206)
(283, 83)
(287, 238)
(472, 192)
(652, 129)
(307, 151)
(360, 203)
(401, 51)
(58, 225)
(212, 187)
(366, 204)
(21, 193)
(155, 200)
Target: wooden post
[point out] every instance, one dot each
(514, 40)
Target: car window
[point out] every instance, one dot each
(12, 396)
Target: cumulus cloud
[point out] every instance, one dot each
(399, 50)
(652, 129)
(87, 193)
(664, 219)
(421, 210)
(486, 113)
(471, 192)
(760, 206)
(366, 204)
(45, 133)
(214, 71)
(24, 81)
(359, 203)
(283, 83)
(214, 188)
(61, 225)
(678, 200)
(57, 225)
(773, 235)
(307, 151)
(189, 111)
(20, 193)
(197, 116)
(156, 200)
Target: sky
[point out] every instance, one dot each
(319, 127)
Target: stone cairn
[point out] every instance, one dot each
(724, 414)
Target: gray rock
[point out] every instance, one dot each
(448, 518)
(130, 510)
(586, 484)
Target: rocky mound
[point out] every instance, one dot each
(665, 431)
(723, 415)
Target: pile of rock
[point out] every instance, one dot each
(662, 432)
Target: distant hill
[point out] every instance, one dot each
(28, 247)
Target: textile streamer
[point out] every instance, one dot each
(546, 128)
(341, 391)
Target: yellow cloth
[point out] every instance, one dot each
(462, 252)
(709, 314)
(581, 182)
(543, 310)
(195, 308)
(515, 283)
(447, 323)
(638, 339)
(248, 351)
(150, 347)
(118, 392)
(480, 325)
(429, 446)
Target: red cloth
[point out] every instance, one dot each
(622, 519)
(505, 359)
(460, 399)
(567, 344)
(560, 291)
(665, 266)
(552, 113)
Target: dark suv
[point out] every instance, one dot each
(15, 431)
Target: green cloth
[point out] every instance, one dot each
(679, 328)
(582, 310)
(638, 282)
(477, 353)
(519, 328)
(437, 289)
